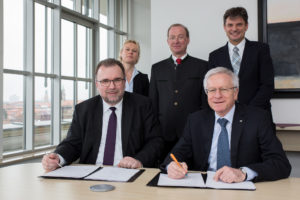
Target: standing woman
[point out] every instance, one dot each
(136, 81)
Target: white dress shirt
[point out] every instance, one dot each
(105, 118)
(118, 146)
(240, 46)
(129, 85)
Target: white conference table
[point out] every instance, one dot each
(22, 182)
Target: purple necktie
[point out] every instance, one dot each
(109, 151)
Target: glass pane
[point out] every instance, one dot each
(83, 91)
(87, 7)
(39, 38)
(82, 51)
(42, 111)
(13, 112)
(68, 4)
(121, 15)
(13, 34)
(67, 105)
(103, 11)
(103, 43)
(67, 48)
(120, 39)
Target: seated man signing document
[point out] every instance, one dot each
(236, 141)
(114, 128)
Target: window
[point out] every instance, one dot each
(48, 61)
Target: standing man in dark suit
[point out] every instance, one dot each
(251, 61)
(176, 86)
(116, 128)
(237, 141)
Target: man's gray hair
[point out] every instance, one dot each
(221, 70)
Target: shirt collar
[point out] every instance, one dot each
(240, 46)
(106, 106)
(228, 116)
(175, 58)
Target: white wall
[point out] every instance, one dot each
(203, 18)
(140, 30)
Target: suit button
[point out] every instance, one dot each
(175, 103)
(176, 91)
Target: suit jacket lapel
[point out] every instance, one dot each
(127, 116)
(227, 58)
(236, 132)
(244, 58)
(96, 128)
(208, 135)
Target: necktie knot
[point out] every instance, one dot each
(222, 122)
(112, 109)
(235, 49)
(178, 60)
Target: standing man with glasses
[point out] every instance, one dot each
(114, 128)
(237, 141)
(176, 86)
(250, 60)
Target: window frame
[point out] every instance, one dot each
(58, 13)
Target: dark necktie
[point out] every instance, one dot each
(178, 60)
(223, 152)
(109, 150)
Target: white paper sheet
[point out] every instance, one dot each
(73, 171)
(196, 180)
(191, 180)
(113, 174)
(246, 185)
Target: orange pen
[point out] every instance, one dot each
(175, 160)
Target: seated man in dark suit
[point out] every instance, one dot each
(237, 141)
(116, 128)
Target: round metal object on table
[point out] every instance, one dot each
(102, 188)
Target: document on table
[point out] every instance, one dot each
(72, 171)
(113, 174)
(191, 180)
(196, 180)
(94, 172)
(211, 183)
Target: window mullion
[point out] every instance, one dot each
(56, 66)
(75, 42)
(29, 80)
(1, 81)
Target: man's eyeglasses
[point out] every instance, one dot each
(223, 91)
(106, 82)
(179, 37)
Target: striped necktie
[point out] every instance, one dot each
(236, 60)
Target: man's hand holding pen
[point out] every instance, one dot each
(177, 170)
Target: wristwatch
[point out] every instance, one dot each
(244, 172)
